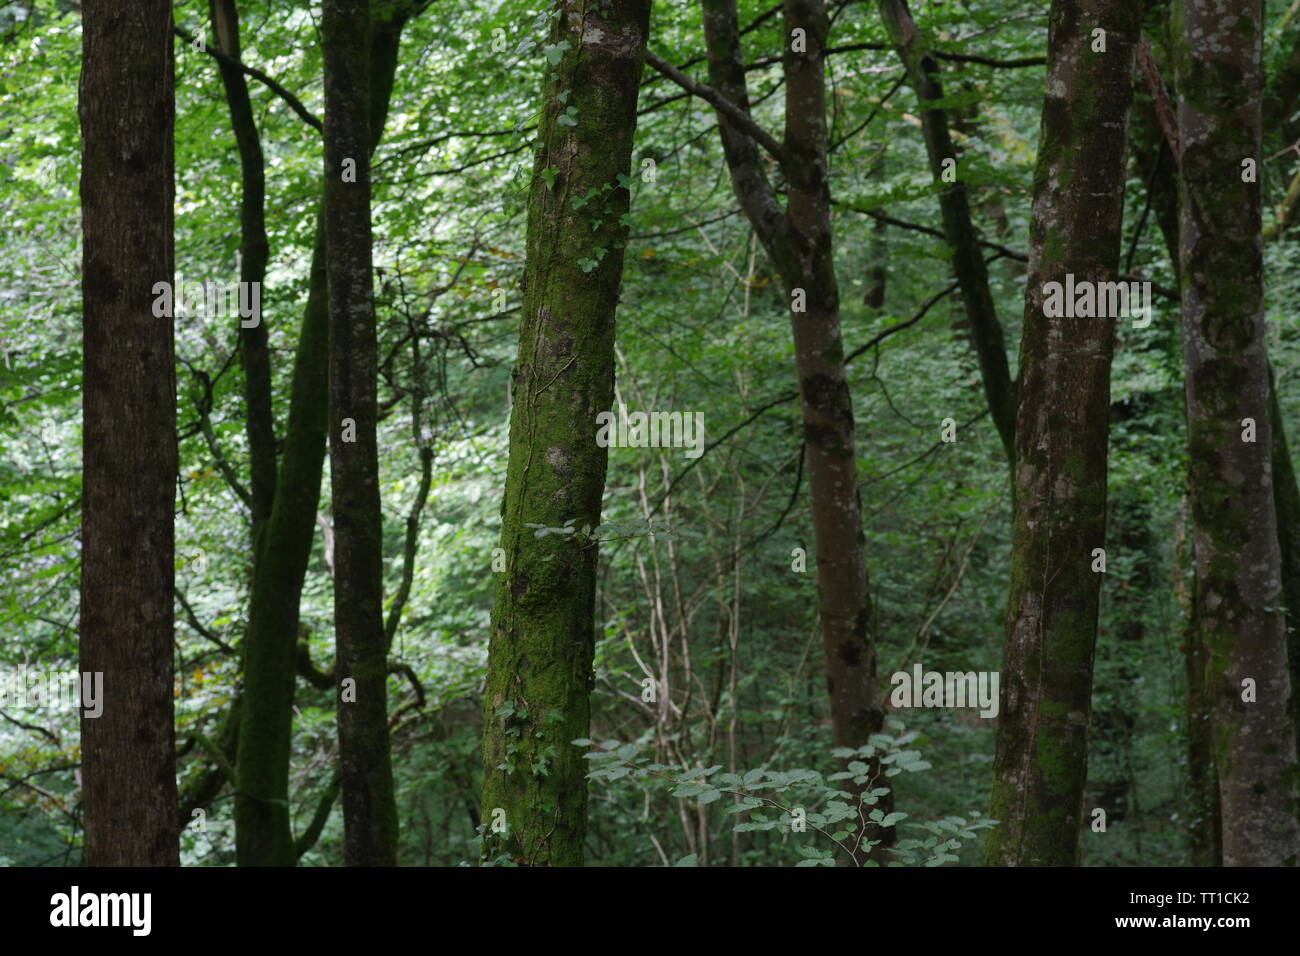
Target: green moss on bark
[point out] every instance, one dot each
(1240, 632)
(543, 622)
(263, 835)
(1062, 423)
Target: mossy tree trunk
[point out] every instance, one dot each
(1162, 184)
(543, 629)
(1062, 422)
(365, 761)
(202, 787)
(1155, 162)
(1234, 517)
(263, 835)
(128, 752)
(262, 832)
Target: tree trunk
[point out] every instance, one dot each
(1154, 158)
(262, 831)
(128, 762)
(967, 258)
(799, 242)
(254, 252)
(1234, 520)
(540, 655)
(804, 253)
(1062, 420)
(365, 763)
(200, 789)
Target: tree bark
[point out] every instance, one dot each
(1234, 518)
(128, 762)
(799, 242)
(804, 253)
(254, 251)
(1152, 139)
(543, 629)
(1062, 423)
(967, 258)
(263, 835)
(365, 762)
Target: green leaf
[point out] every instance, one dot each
(554, 52)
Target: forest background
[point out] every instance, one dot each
(701, 584)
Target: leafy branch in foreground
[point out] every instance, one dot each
(808, 800)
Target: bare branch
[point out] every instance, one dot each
(295, 104)
(737, 117)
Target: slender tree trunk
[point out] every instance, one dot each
(1154, 157)
(967, 257)
(543, 629)
(1062, 422)
(128, 762)
(198, 790)
(1234, 519)
(262, 831)
(805, 255)
(878, 269)
(800, 244)
(254, 252)
(365, 763)
(1113, 726)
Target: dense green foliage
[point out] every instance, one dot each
(697, 580)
